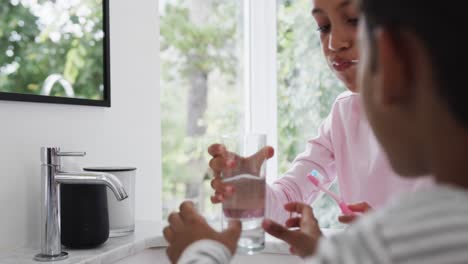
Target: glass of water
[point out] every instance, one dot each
(247, 175)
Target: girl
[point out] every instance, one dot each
(345, 147)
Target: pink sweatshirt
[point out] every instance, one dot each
(345, 148)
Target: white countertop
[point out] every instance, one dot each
(147, 235)
(158, 255)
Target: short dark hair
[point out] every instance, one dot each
(441, 26)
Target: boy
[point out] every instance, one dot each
(411, 75)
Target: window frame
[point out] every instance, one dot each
(260, 74)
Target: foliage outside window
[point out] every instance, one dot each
(201, 58)
(201, 95)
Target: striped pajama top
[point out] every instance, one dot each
(425, 227)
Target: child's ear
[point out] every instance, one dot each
(393, 68)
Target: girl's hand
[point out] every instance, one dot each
(303, 241)
(232, 164)
(187, 226)
(361, 207)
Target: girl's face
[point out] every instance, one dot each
(337, 22)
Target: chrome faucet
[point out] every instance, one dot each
(51, 178)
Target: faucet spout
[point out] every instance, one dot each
(94, 178)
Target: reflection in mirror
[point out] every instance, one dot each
(55, 51)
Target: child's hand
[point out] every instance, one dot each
(303, 241)
(188, 226)
(224, 161)
(362, 207)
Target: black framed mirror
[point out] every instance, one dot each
(55, 51)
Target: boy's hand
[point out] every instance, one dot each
(361, 207)
(188, 226)
(303, 241)
(233, 164)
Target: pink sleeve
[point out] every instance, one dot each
(294, 185)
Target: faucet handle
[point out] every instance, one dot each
(51, 155)
(71, 154)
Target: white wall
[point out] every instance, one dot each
(128, 133)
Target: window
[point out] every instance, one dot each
(201, 92)
(306, 91)
(239, 65)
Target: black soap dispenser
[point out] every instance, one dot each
(84, 215)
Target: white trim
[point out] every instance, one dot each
(247, 66)
(262, 67)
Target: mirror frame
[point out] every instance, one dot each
(105, 102)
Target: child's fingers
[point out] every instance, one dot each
(187, 210)
(274, 229)
(218, 185)
(346, 219)
(222, 159)
(361, 207)
(263, 154)
(175, 221)
(215, 199)
(216, 150)
(219, 196)
(221, 190)
(293, 222)
(281, 232)
(168, 234)
(301, 208)
(218, 164)
(255, 161)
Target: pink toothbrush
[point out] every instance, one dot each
(314, 176)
